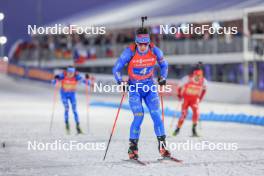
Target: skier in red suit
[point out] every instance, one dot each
(192, 90)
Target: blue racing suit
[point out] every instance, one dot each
(140, 72)
(67, 91)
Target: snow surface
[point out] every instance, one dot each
(25, 111)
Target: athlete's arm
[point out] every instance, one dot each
(120, 63)
(162, 62)
(81, 79)
(181, 84)
(78, 77)
(57, 77)
(204, 90)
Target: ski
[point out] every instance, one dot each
(136, 161)
(170, 159)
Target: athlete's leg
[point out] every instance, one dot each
(75, 113)
(153, 104)
(74, 107)
(64, 99)
(195, 117)
(195, 110)
(135, 102)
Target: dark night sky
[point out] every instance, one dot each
(19, 14)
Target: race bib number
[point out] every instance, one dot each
(69, 87)
(193, 91)
(142, 71)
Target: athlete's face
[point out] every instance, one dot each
(143, 47)
(70, 74)
(197, 78)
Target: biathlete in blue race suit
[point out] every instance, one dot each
(141, 58)
(69, 80)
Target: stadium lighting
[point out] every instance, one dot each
(184, 27)
(216, 25)
(2, 16)
(3, 40)
(5, 59)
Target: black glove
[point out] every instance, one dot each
(87, 76)
(161, 81)
(56, 77)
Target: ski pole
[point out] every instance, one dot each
(54, 104)
(162, 107)
(113, 128)
(88, 106)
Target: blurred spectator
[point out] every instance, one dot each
(92, 52)
(51, 44)
(80, 53)
(109, 52)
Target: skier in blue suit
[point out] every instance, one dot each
(141, 58)
(69, 80)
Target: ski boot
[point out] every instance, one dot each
(194, 132)
(133, 149)
(67, 127)
(79, 131)
(162, 147)
(176, 132)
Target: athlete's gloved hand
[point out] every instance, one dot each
(87, 76)
(179, 96)
(86, 82)
(56, 77)
(161, 81)
(54, 81)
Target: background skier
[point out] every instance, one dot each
(192, 90)
(69, 80)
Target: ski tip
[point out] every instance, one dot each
(171, 159)
(177, 160)
(180, 161)
(136, 161)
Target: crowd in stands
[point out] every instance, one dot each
(83, 47)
